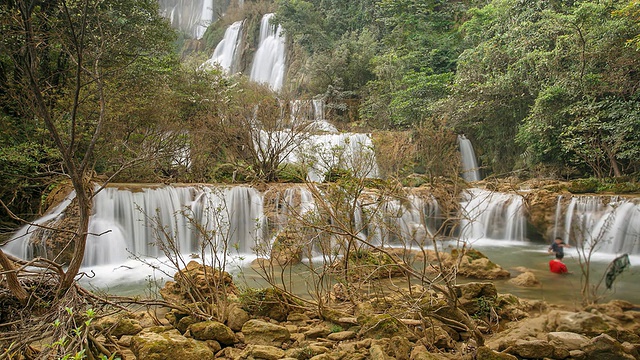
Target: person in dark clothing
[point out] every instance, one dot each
(557, 266)
(557, 247)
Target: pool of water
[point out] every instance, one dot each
(135, 278)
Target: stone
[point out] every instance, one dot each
(298, 317)
(438, 337)
(400, 348)
(258, 332)
(604, 347)
(236, 317)
(577, 354)
(317, 331)
(580, 322)
(474, 290)
(118, 326)
(420, 353)
(484, 353)
(376, 352)
(341, 336)
(526, 279)
(148, 345)
(212, 330)
(213, 345)
(567, 340)
(264, 352)
(184, 323)
(384, 326)
(531, 349)
(527, 329)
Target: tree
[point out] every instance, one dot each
(65, 57)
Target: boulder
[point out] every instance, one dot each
(118, 326)
(473, 264)
(341, 336)
(236, 317)
(149, 345)
(526, 279)
(263, 352)
(383, 326)
(579, 322)
(258, 332)
(527, 329)
(604, 347)
(531, 349)
(567, 340)
(420, 352)
(317, 331)
(212, 330)
(474, 290)
(438, 337)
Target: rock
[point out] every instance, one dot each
(474, 290)
(263, 352)
(581, 322)
(532, 349)
(197, 281)
(438, 337)
(125, 340)
(298, 318)
(341, 336)
(604, 347)
(148, 345)
(376, 352)
(577, 354)
(119, 325)
(258, 332)
(526, 279)
(236, 317)
(213, 345)
(383, 326)
(567, 340)
(527, 329)
(420, 353)
(213, 330)
(184, 323)
(476, 265)
(484, 353)
(317, 331)
(400, 348)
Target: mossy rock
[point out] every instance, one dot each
(266, 302)
(149, 345)
(212, 330)
(381, 326)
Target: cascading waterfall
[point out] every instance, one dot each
(470, 169)
(191, 16)
(492, 215)
(269, 60)
(226, 53)
(311, 111)
(608, 225)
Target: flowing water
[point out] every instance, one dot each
(470, 169)
(191, 16)
(226, 53)
(269, 60)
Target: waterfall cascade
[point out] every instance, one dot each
(191, 16)
(269, 60)
(470, 169)
(609, 225)
(226, 53)
(492, 215)
(228, 219)
(312, 111)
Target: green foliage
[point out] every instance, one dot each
(292, 173)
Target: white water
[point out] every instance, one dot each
(311, 111)
(492, 215)
(269, 60)
(190, 16)
(608, 225)
(470, 169)
(226, 53)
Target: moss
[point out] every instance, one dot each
(583, 186)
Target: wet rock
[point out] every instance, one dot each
(526, 279)
(568, 340)
(263, 352)
(212, 330)
(259, 332)
(148, 345)
(533, 349)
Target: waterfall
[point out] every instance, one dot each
(269, 60)
(190, 16)
(226, 53)
(492, 215)
(470, 170)
(609, 225)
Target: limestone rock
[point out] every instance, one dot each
(383, 326)
(341, 336)
(258, 332)
(438, 337)
(474, 290)
(527, 329)
(119, 325)
(581, 322)
(376, 352)
(184, 323)
(604, 347)
(212, 330)
(474, 264)
(236, 317)
(148, 345)
(317, 331)
(532, 349)
(568, 340)
(484, 353)
(526, 279)
(420, 353)
(264, 352)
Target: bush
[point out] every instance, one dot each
(291, 173)
(582, 186)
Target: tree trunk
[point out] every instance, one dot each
(12, 279)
